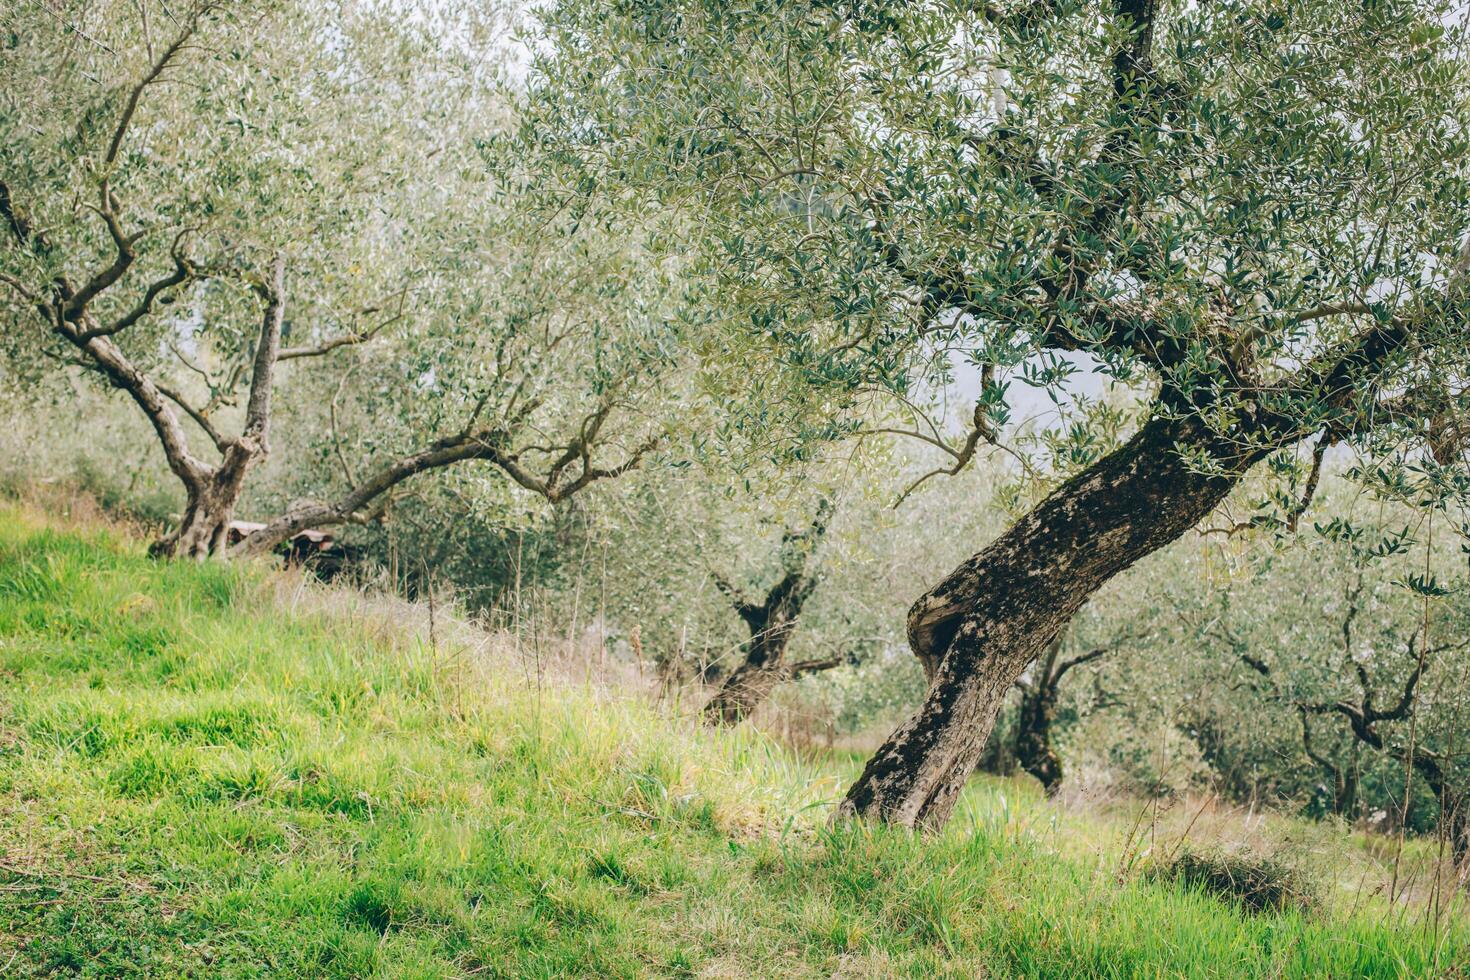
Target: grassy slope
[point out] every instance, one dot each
(200, 775)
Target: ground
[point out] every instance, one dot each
(218, 771)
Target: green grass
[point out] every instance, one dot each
(212, 771)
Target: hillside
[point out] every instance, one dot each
(208, 770)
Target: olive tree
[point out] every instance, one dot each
(1252, 216)
(771, 617)
(1355, 673)
(742, 580)
(204, 203)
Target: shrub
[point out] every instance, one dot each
(1255, 883)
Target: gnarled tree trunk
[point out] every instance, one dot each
(214, 491)
(748, 687)
(771, 624)
(750, 684)
(1038, 710)
(209, 508)
(978, 629)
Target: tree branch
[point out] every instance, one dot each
(803, 667)
(1330, 437)
(203, 421)
(485, 444)
(1078, 660)
(980, 430)
(1312, 754)
(1314, 476)
(267, 349)
(20, 288)
(114, 364)
(135, 95)
(743, 606)
(442, 453)
(344, 340)
(74, 309)
(184, 272)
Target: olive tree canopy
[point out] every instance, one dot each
(202, 203)
(1254, 216)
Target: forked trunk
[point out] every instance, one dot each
(212, 492)
(203, 531)
(976, 631)
(771, 623)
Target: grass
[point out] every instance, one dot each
(225, 772)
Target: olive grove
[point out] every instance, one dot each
(216, 209)
(1251, 217)
(1106, 362)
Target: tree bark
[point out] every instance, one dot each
(203, 531)
(978, 629)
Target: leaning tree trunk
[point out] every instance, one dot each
(751, 683)
(976, 631)
(998, 757)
